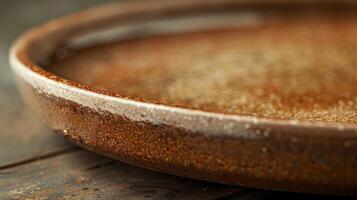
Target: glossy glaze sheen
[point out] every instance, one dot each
(233, 149)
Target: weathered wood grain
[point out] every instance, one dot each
(78, 174)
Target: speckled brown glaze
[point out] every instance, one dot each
(281, 159)
(257, 152)
(291, 68)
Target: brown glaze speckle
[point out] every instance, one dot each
(270, 153)
(300, 68)
(307, 164)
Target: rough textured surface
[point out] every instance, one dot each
(299, 68)
(284, 158)
(37, 164)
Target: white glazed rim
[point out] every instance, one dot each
(209, 123)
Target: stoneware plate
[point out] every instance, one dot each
(278, 154)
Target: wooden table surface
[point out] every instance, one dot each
(37, 164)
